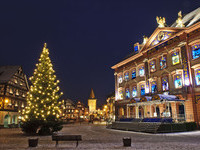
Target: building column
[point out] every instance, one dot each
(136, 112)
(127, 115)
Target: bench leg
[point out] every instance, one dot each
(77, 143)
(56, 143)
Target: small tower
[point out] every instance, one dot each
(92, 102)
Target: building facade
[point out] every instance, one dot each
(92, 103)
(68, 109)
(161, 77)
(13, 89)
(110, 107)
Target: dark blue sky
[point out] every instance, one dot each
(85, 37)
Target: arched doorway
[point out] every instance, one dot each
(6, 120)
(158, 111)
(141, 112)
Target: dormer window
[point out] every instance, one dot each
(196, 51)
(15, 80)
(141, 71)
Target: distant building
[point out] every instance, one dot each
(92, 102)
(13, 90)
(68, 109)
(111, 106)
(81, 110)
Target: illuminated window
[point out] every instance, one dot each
(136, 48)
(120, 79)
(17, 92)
(141, 71)
(165, 85)
(163, 62)
(15, 80)
(175, 58)
(127, 93)
(197, 76)
(153, 87)
(142, 89)
(178, 81)
(153, 66)
(195, 51)
(120, 95)
(126, 76)
(134, 74)
(134, 92)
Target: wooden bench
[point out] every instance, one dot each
(65, 137)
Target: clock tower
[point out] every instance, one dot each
(92, 102)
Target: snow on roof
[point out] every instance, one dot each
(190, 18)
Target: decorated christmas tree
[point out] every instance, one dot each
(42, 111)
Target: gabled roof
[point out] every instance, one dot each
(155, 34)
(6, 73)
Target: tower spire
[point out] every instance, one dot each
(92, 96)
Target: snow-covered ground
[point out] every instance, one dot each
(98, 137)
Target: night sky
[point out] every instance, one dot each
(85, 37)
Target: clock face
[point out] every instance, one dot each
(160, 36)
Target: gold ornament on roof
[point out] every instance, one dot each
(179, 21)
(161, 21)
(145, 38)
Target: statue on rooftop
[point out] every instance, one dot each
(161, 21)
(179, 21)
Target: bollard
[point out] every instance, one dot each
(127, 141)
(32, 142)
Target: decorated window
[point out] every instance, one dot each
(153, 66)
(134, 92)
(163, 62)
(178, 81)
(165, 84)
(142, 90)
(126, 76)
(197, 76)
(175, 58)
(141, 71)
(120, 79)
(196, 51)
(127, 93)
(134, 74)
(120, 94)
(153, 87)
(136, 48)
(147, 87)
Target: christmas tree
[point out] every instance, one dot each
(42, 111)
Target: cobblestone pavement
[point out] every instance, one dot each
(98, 137)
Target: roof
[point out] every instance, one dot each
(92, 96)
(190, 18)
(69, 101)
(6, 73)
